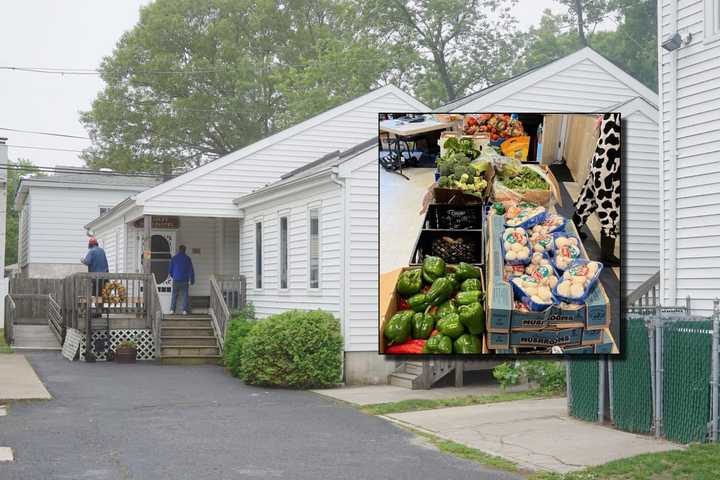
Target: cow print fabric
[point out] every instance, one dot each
(601, 191)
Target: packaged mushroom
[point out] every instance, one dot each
(552, 223)
(529, 290)
(515, 246)
(566, 249)
(524, 215)
(577, 281)
(541, 242)
(541, 269)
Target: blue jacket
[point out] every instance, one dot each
(181, 268)
(95, 260)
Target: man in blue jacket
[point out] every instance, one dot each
(183, 275)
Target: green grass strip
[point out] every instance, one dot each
(697, 462)
(4, 347)
(414, 405)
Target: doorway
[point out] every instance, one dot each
(162, 247)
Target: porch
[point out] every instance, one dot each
(90, 314)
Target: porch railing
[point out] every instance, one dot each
(233, 289)
(55, 319)
(154, 314)
(645, 295)
(8, 332)
(219, 312)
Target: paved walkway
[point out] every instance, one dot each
(536, 434)
(18, 380)
(371, 394)
(145, 421)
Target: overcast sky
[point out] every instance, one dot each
(77, 34)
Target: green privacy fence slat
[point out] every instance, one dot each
(632, 381)
(584, 388)
(686, 377)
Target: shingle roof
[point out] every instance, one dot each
(84, 176)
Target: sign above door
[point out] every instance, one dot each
(159, 222)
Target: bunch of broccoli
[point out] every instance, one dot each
(456, 171)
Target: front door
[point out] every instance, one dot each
(162, 248)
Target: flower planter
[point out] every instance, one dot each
(126, 355)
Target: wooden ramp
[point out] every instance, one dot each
(34, 337)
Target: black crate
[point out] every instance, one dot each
(471, 252)
(454, 217)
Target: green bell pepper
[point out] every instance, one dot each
(471, 284)
(451, 326)
(465, 271)
(398, 328)
(439, 344)
(440, 291)
(418, 302)
(473, 317)
(422, 325)
(453, 277)
(466, 298)
(467, 344)
(433, 268)
(446, 308)
(410, 282)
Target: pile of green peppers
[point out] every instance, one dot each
(443, 307)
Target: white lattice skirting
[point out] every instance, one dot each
(142, 338)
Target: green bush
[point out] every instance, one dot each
(296, 349)
(238, 328)
(549, 375)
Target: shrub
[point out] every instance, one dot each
(549, 375)
(296, 349)
(238, 328)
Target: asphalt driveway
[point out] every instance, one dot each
(148, 421)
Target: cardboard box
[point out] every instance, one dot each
(607, 346)
(537, 338)
(388, 298)
(501, 317)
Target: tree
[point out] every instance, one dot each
(16, 171)
(196, 79)
(461, 44)
(547, 42)
(586, 14)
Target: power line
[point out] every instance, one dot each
(31, 169)
(36, 132)
(46, 148)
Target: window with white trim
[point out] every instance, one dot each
(712, 20)
(314, 248)
(283, 252)
(258, 255)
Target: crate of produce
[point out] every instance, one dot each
(503, 313)
(454, 217)
(606, 346)
(453, 246)
(452, 306)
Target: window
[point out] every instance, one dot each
(712, 20)
(104, 210)
(283, 252)
(314, 248)
(258, 255)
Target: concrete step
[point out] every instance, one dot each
(194, 340)
(192, 360)
(185, 323)
(195, 331)
(34, 337)
(187, 350)
(404, 380)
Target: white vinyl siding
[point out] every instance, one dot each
(58, 217)
(212, 193)
(362, 259)
(690, 102)
(271, 298)
(24, 237)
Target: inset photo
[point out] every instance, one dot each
(499, 233)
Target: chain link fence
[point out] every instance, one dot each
(665, 381)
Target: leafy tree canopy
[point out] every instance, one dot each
(17, 170)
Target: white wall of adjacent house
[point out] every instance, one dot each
(690, 135)
(583, 82)
(57, 217)
(210, 190)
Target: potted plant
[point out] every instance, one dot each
(126, 352)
